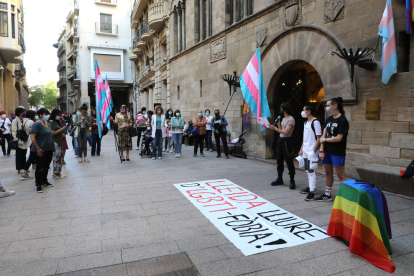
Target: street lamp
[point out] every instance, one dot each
(357, 59)
(232, 80)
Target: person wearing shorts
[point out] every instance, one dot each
(333, 145)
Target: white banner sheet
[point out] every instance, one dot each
(251, 223)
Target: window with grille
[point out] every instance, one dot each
(106, 23)
(4, 23)
(3, 6)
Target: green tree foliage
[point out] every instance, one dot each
(51, 94)
(36, 96)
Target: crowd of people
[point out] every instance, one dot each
(43, 134)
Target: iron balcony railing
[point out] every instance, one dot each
(134, 9)
(20, 71)
(71, 53)
(61, 100)
(61, 49)
(21, 43)
(72, 74)
(61, 82)
(70, 33)
(61, 65)
(143, 27)
(136, 39)
(105, 28)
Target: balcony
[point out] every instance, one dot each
(61, 100)
(71, 74)
(146, 32)
(61, 65)
(21, 43)
(106, 29)
(137, 11)
(20, 71)
(157, 15)
(61, 49)
(106, 2)
(132, 55)
(61, 82)
(76, 34)
(72, 53)
(69, 35)
(70, 16)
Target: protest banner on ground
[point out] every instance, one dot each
(251, 223)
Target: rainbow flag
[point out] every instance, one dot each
(389, 46)
(409, 15)
(253, 88)
(360, 216)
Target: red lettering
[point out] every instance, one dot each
(235, 197)
(200, 196)
(254, 204)
(229, 189)
(209, 199)
(207, 183)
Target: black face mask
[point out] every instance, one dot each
(217, 114)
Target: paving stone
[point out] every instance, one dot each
(20, 258)
(26, 245)
(206, 255)
(149, 251)
(33, 269)
(202, 242)
(72, 249)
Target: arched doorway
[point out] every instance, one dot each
(299, 84)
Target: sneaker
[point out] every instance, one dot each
(159, 157)
(218, 156)
(176, 155)
(227, 157)
(7, 193)
(206, 149)
(76, 156)
(179, 155)
(305, 191)
(47, 184)
(310, 196)
(202, 155)
(171, 151)
(60, 177)
(137, 148)
(324, 197)
(39, 189)
(25, 177)
(164, 150)
(153, 158)
(194, 155)
(211, 150)
(64, 163)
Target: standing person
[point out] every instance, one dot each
(218, 125)
(5, 124)
(42, 139)
(96, 140)
(200, 123)
(209, 142)
(57, 131)
(21, 150)
(168, 134)
(124, 121)
(333, 145)
(31, 118)
(158, 131)
(65, 146)
(141, 125)
(312, 132)
(188, 129)
(74, 140)
(177, 125)
(82, 123)
(285, 145)
(93, 112)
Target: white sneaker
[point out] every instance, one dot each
(7, 193)
(153, 158)
(137, 148)
(176, 155)
(179, 155)
(164, 150)
(171, 151)
(159, 157)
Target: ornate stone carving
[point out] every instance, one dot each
(334, 10)
(218, 49)
(261, 34)
(292, 13)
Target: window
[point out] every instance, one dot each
(201, 88)
(178, 92)
(4, 23)
(3, 6)
(12, 8)
(108, 63)
(106, 23)
(13, 25)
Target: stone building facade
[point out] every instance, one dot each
(209, 38)
(13, 85)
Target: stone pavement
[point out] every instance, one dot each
(108, 213)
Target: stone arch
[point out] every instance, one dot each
(313, 45)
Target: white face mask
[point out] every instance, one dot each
(329, 111)
(3, 115)
(148, 128)
(303, 114)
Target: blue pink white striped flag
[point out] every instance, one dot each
(389, 47)
(99, 87)
(107, 105)
(253, 88)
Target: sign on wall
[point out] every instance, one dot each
(251, 223)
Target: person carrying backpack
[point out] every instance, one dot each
(309, 151)
(141, 124)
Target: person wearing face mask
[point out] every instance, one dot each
(158, 131)
(147, 140)
(31, 118)
(74, 140)
(200, 123)
(312, 132)
(188, 129)
(21, 150)
(285, 145)
(82, 123)
(140, 123)
(5, 135)
(124, 121)
(57, 131)
(208, 140)
(177, 124)
(42, 145)
(218, 126)
(168, 141)
(333, 145)
(96, 140)
(12, 117)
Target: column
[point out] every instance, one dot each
(150, 98)
(175, 32)
(234, 11)
(245, 8)
(179, 29)
(183, 26)
(84, 97)
(201, 21)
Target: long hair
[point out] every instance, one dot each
(167, 115)
(156, 109)
(339, 102)
(55, 112)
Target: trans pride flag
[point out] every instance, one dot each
(389, 46)
(104, 101)
(107, 105)
(360, 216)
(253, 88)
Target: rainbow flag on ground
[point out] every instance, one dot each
(360, 216)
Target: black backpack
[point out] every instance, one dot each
(313, 128)
(21, 134)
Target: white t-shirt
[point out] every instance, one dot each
(308, 134)
(208, 119)
(6, 125)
